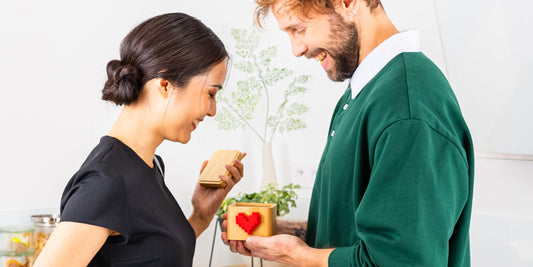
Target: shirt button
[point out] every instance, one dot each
(332, 133)
(345, 107)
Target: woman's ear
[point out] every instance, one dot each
(163, 87)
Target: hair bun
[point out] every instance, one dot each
(124, 82)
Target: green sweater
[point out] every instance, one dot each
(394, 185)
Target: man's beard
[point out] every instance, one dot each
(343, 48)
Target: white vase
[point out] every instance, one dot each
(269, 171)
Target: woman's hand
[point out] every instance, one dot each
(207, 200)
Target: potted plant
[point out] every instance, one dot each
(284, 198)
(238, 104)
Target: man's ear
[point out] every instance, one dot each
(163, 87)
(349, 8)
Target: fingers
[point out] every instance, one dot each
(237, 246)
(241, 248)
(224, 237)
(224, 229)
(224, 225)
(236, 169)
(203, 166)
(230, 182)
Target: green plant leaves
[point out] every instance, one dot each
(284, 198)
(268, 54)
(272, 76)
(245, 66)
(246, 42)
(240, 102)
(227, 120)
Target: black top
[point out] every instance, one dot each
(115, 189)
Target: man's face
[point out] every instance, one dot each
(328, 38)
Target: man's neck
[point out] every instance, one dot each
(374, 28)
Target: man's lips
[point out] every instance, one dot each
(321, 56)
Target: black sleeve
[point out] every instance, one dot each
(97, 199)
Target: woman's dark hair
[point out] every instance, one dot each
(172, 46)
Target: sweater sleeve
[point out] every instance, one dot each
(417, 190)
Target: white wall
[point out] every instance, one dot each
(488, 44)
(52, 67)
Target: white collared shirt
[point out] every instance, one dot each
(408, 41)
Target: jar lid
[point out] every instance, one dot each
(8, 253)
(16, 229)
(45, 219)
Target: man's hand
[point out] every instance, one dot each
(284, 248)
(287, 249)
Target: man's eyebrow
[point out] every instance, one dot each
(217, 85)
(291, 26)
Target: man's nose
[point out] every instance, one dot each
(298, 47)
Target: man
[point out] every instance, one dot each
(394, 185)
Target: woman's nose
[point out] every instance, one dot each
(212, 111)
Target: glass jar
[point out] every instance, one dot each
(16, 239)
(15, 259)
(44, 225)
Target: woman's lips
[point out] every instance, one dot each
(195, 124)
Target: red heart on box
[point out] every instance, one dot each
(248, 223)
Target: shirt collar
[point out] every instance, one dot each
(408, 41)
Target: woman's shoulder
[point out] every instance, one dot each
(100, 165)
(105, 149)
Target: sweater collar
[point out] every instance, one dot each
(408, 41)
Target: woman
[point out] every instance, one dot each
(116, 210)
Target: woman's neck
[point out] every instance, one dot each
(134, 129)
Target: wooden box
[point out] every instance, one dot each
(217, 166)
(246, 219)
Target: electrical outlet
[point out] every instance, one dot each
(304, 173)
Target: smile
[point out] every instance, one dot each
(195, 124)
(321, 56)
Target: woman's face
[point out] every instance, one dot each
(189, 105)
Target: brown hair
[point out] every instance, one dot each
(304, 7)
(172, 46)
